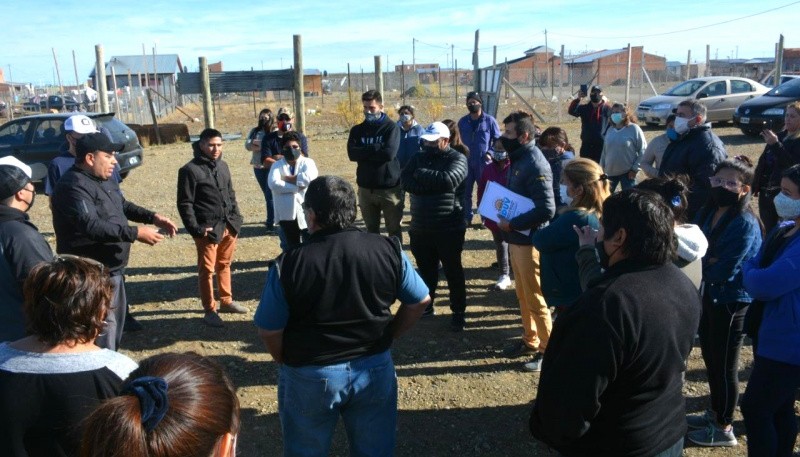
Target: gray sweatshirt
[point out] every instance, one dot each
(622, 149)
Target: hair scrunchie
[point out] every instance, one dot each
(152, 394)
(603, 177)
(676, 201)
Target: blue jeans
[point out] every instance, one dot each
(261, 178)
(768, 408)
(622, 179)
(474, 172)
(363, 391)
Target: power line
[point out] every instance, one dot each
(682, 30)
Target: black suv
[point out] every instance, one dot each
(36, 140)
(768, 110)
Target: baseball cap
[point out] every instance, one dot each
(80, 124)
(11, 160)
(435, 131)
(475, 95)
(94, 142)
(12, 179)
(597, 88)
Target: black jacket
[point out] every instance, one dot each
(530, 175)
(206, 197)
(271, 144)
(374, 146)
(696, 154)
(90, 219)
(612, 374)
(436, 184)
(594, 119)
(22, 247)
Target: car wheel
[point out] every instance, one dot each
(651, 124)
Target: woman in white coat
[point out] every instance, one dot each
(288, 179)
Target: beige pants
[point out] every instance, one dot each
(536, 322)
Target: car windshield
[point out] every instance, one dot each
(685, 89)
(790, 88)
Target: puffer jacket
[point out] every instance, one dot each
(436, 184)
(530, 176)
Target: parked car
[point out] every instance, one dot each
(720, 94)
(769, 80)
(37, 104)
(36, 140)
(768, 110)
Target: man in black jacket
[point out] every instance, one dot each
(529, 175)
(208, 208)
(435, 180)
(612, 374)
(696, 153)
(21, 245)
(594, 121)
(373, 144)
(90, 219)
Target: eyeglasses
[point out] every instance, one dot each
(719, 182)
(72, 258)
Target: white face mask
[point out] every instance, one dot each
(681, 125)
(566, 199)
(786, 207)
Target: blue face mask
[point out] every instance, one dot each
(373, 117)
(616, 118)
(672, 134)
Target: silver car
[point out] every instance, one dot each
(720, 94)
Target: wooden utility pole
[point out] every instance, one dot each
(628, 77)
(75, 67)
(475, 66)
(299, 95)
(455, 79)
(153, 114)
(114, 85)
(641, 78)
(708, 61)
(349, 88)
(146, 73)
(688, 64)
(414, 55)
(100, 76)
(205, 86)
(561, 78)
(378, 75)
(778, 62)
(402, 82)
(58, 73)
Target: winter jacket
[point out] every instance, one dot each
(374, 145)
(653, 153)
(409, 142)
(436, 184)
(530, 176)
(622, 150)
(497, 172)
(90, 219)
(557, 244)
(722, 265)
(22, 247)
(288, 197)
(479, 135)
(777, 286)
(696, 154)
(271, 144)
(594, 119)
(206, 198)
(611, 381)
(557, 162)
(774, 160)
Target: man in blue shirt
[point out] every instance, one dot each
(325, 318)
(479, 131)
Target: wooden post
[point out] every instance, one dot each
(128, 116)
(688, 64)
(75, 67)
(362, 81)
(379, 76)
(146, 73)
(779, 62)
(100, 76)
(299, 95)
(440, 82)
(153, 114)
(114, 85)
(533, 76)
(205, 85)
(139, 115)
(58, 73)
(641, 78)
(708, 60)
(475, 66)
(455, 78)
(402, 81)
(628, 77)
(507, 75)
(349, 88)
(561, 78)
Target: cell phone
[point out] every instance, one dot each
(584, 89)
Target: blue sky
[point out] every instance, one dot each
(249, 34)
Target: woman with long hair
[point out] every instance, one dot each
(455, 137)
(781, 152)
(771, 279)
(623, 147)
(172, 405)
(52, 379)
(734, 237)
(266, 124)
(555, 146)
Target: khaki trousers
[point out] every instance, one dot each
(536, 322)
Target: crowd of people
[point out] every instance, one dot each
(615, 274)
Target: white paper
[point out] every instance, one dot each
(499, 202)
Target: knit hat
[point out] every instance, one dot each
(12, 179)
(476, 96)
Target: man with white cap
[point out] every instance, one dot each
(435, 180)
(90, 219)
(21, 245)
(76, 127)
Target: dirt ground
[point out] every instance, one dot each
(457, 395)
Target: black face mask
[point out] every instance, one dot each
(509, 144)
(723, 197)
(601, 254)
(430, 149)
(292, 153)
(474, 108)
(30, 204)
(595, 98)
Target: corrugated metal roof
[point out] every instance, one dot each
(164, 64)
(761, 60)
(591, 57)
(237, 81)
(311, 72)
(539, 50)
(674, 63)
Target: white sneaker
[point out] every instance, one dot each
(503, 283)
